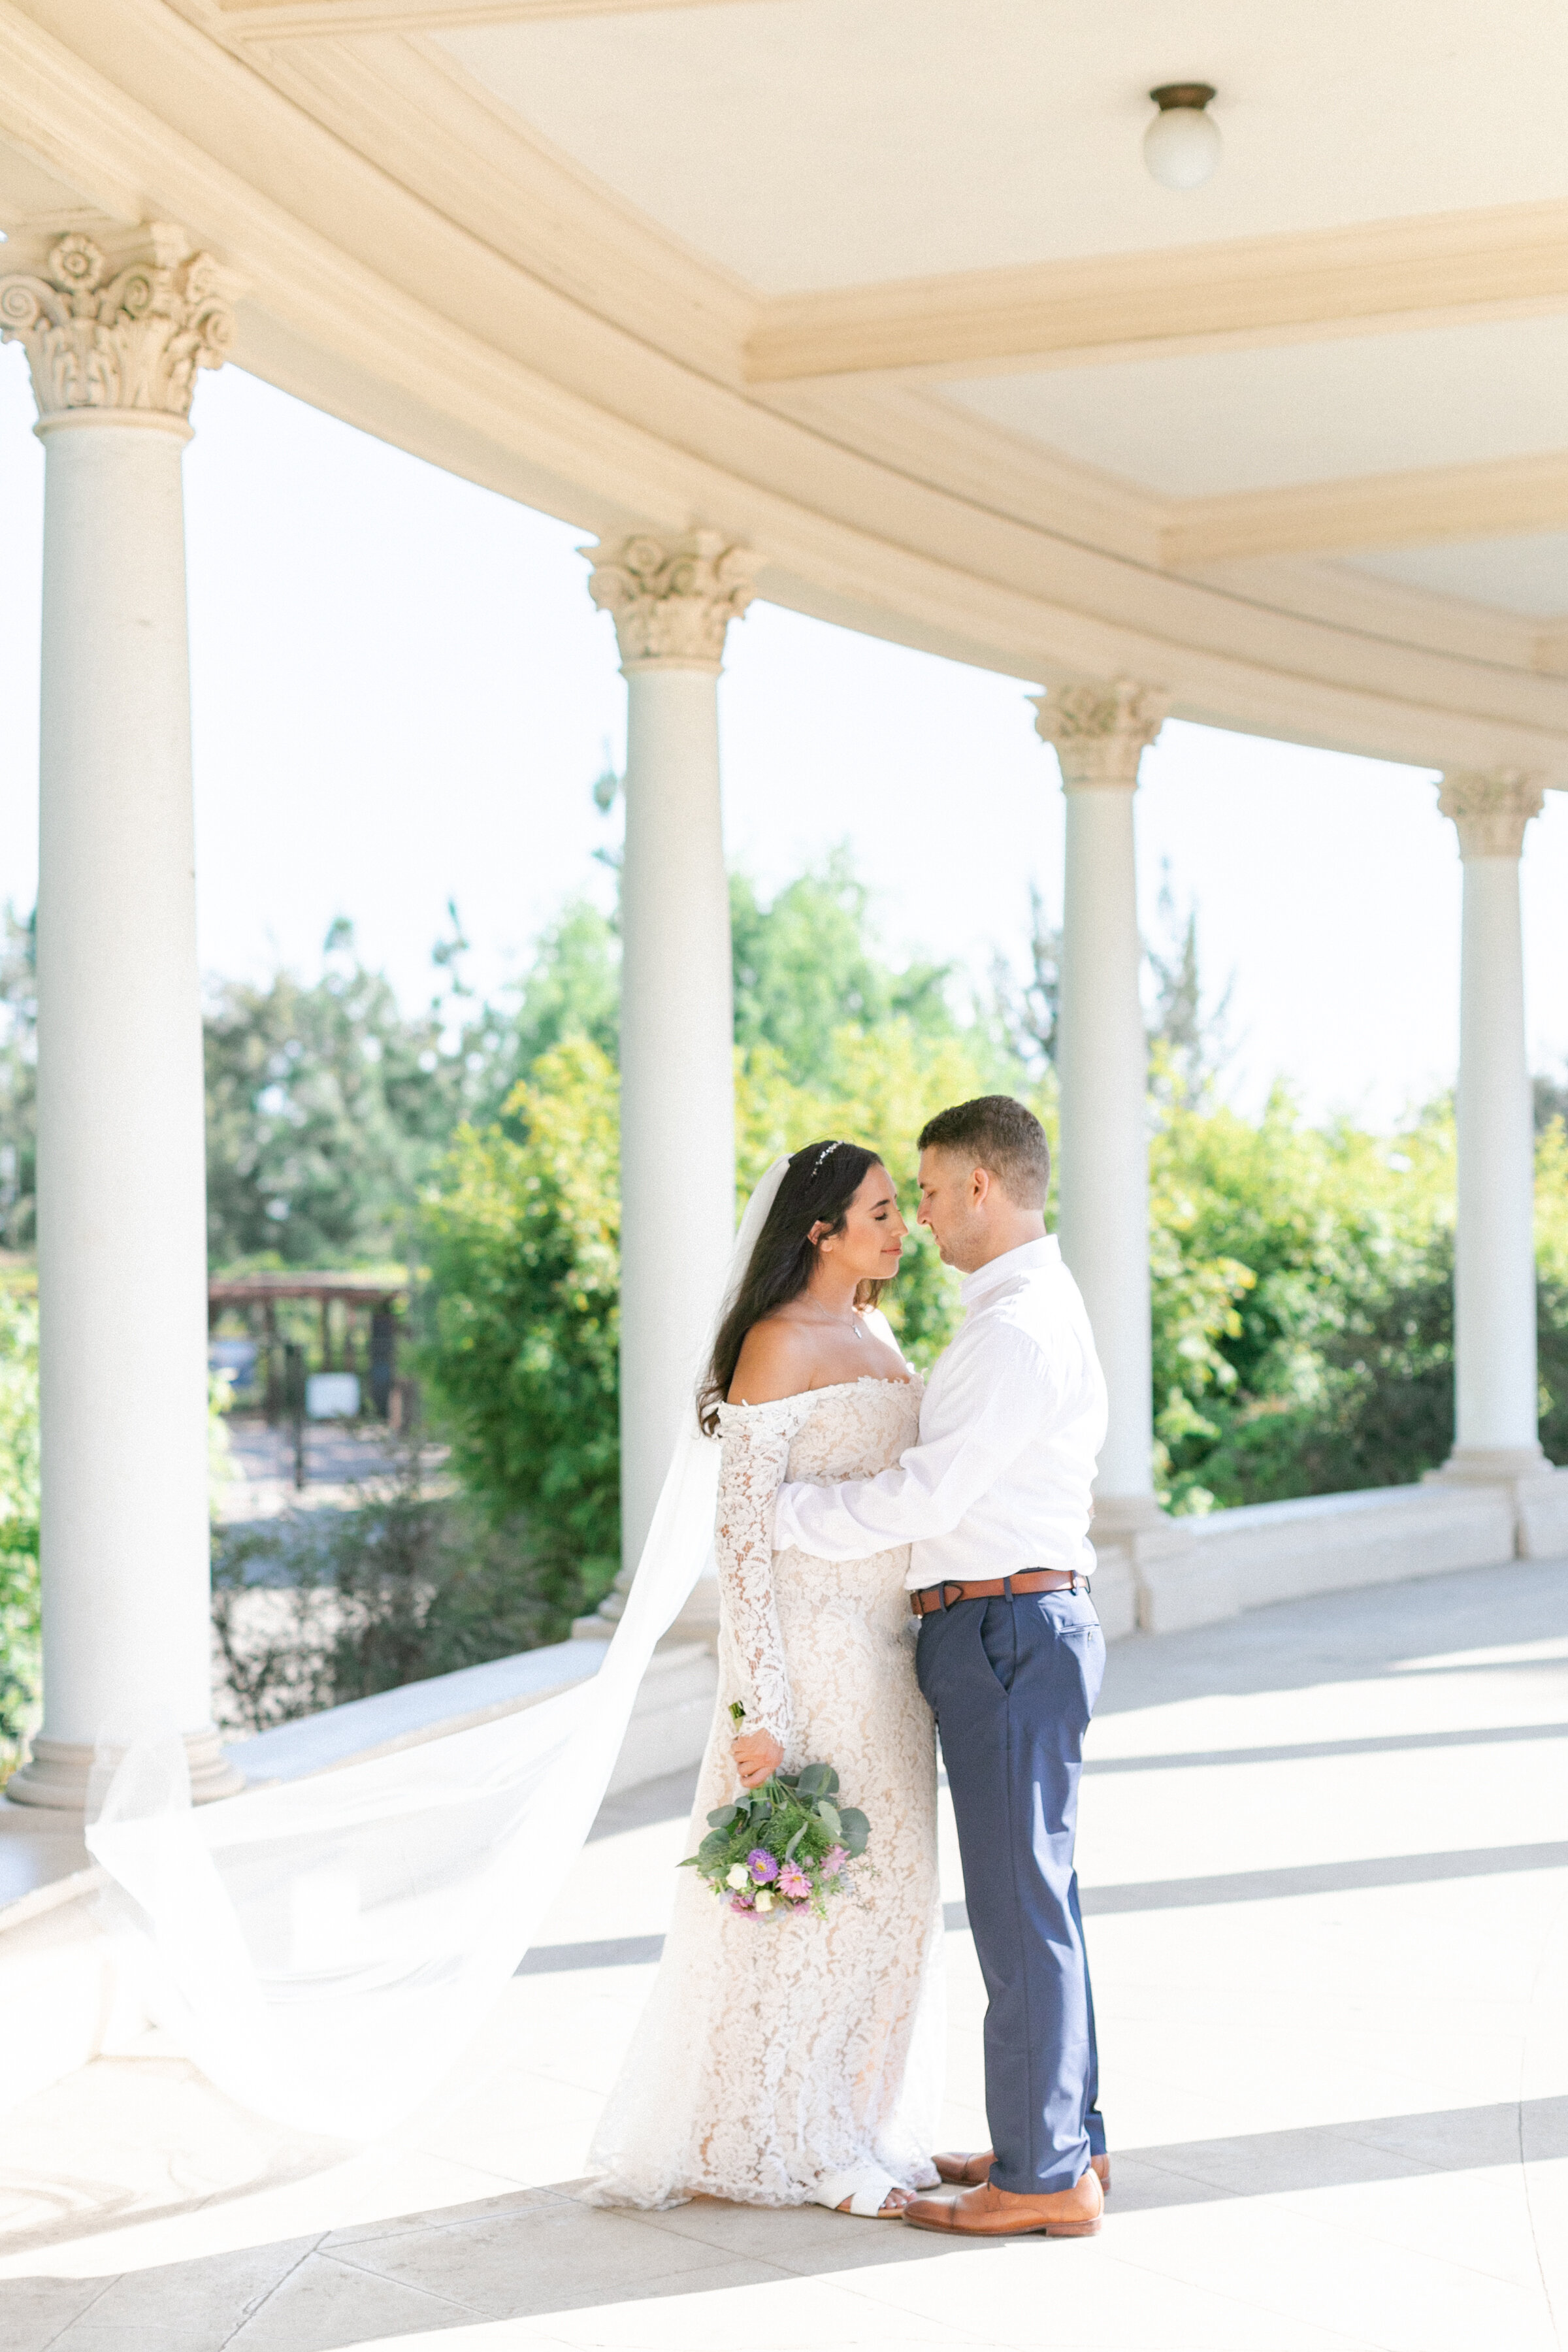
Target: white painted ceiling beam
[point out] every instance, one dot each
(373, 301)
(1385, 510)
(1441, 269)
(315, 20)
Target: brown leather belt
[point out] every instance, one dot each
(933, 1597)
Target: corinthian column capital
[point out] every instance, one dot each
(1490, 808)
(1100, 731)
(115, 327)
(672, 600)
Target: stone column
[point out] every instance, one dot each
(114, 332)
(1495, 1397)
(672, 602)
(1100, 733)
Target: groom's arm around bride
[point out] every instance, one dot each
(995, 1502)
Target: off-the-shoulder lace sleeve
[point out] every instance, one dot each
(751, 1471)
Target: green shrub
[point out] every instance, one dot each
(19, 1655)
(521, 1240)
(330, 1605)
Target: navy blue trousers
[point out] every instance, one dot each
(1012, 1684)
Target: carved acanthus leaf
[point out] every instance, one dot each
(1490, 809)
(102, 336)
(1101, 732)
(672, 600)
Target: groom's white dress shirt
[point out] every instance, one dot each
(1012, 1422)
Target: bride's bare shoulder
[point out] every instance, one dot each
(777, 1360)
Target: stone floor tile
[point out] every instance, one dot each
(785, 2316)
(542, 2255)
(1260, 2163)
(84, 2336)
(324, 2306)
(1276, 2252)
(33, 2311)
(1310, 2151)
(804, 2239)
(1075, 2296)
(1480, 2222)
(501, 2200)
(200, 2304)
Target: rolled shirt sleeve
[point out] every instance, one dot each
(995, 1397)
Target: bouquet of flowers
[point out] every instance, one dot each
(785, 1847)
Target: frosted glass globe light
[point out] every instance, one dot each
(1181, 145)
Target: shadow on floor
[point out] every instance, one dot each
(539, 2250)
(1335, 1637)
(1348, 1637)
(1154, 1895)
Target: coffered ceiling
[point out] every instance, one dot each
(884, 285)
(827, 143)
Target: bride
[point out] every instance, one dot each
(799, 2061)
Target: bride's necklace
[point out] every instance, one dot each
(852, 1319)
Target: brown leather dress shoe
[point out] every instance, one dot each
(969, 2171)
(987, 2212)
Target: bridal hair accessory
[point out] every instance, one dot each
(826, 1151)
(783, 1848)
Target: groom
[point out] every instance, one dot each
(994, 1503)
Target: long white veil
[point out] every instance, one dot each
(324, 1951)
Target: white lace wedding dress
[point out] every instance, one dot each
(780, 2061)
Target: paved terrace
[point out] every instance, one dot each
(1325, 1851)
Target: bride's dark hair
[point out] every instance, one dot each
(818, 1186)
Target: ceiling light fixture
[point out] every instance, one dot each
(1181, 145)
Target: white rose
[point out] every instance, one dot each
(764, 1900)
(739, 1876)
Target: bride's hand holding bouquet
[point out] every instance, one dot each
(785, 1846)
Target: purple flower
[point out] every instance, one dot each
(742, 1903)
(794, 1881)
(833, 1861)
(762, 1866)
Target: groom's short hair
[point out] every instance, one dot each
(1003, 1137)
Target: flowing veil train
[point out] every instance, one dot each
(325, 1950)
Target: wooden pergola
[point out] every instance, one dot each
(255, 1293)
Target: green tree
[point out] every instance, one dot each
(405, 1586)
(573, 991)
(327, 1108)
(1302, 1302)
(804, 966)
(18, 1078)
(1188, 1046)
(522, 1236)
(19, 1658)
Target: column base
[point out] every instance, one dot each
(697, 1620)
(1489, 1466)
(601, 1623)
(1151, 1574)
(1538, 1490)
(57, 1771)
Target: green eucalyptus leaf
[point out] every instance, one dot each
(855, 1829)
(816, 1780)
(829, 1815)
(721, 1818)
